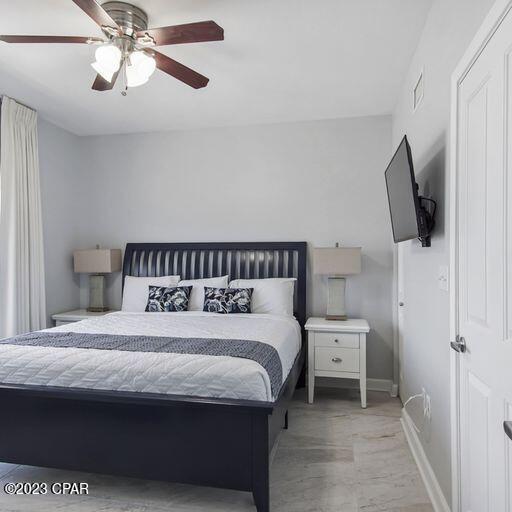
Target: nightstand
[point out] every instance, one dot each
(337, 349)
(68, 317)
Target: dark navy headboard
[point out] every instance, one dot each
(244, 260)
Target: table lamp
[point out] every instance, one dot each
(97, 262)
(336, 263)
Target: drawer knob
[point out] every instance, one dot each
(336, 360)
(336, 340)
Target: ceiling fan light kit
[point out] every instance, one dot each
(138, 65)
(128, 49)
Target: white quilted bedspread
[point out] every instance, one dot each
(182, 374)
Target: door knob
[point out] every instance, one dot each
(459, 345)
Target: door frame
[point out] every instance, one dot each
(399, 342)
(493, 20)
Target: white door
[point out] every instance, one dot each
(484, 222)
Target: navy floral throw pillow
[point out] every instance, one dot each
(227, 300)
(165, 300)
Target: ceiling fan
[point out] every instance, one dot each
(128, 49)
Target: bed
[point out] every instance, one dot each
(118, 416)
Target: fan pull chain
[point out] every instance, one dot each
(124, 92)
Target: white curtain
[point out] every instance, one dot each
(22, 290)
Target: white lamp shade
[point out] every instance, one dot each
(337, 261)
(97, 261)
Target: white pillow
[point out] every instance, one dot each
(196, 300)
(273, 295)
(136, 290)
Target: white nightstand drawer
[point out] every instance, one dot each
(337, 359)
(336, 339)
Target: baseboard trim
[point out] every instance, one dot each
(427, 473)
(371, 384)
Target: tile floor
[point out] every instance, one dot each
(335, 457)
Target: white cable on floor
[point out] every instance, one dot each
(419, 395)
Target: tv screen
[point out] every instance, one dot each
(403, 194)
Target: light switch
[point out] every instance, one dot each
(442, 278)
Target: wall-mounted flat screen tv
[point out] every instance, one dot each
(409, 219)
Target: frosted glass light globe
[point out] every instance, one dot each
(107, 74)
(144, 63)
(134, 78)
(140, 67)
(108, 61)
(108, 57)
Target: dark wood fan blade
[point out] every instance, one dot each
(100, 84)
(179, 71)
(97, 13)
(189, 33)
(51, 39)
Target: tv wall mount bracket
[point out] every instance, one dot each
(426, 219)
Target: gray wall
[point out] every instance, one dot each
(449, 28)
(315, 181)
(61, 174)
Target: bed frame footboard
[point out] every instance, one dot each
(211, 442)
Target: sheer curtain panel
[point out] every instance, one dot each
(22, 289)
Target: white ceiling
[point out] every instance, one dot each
(281, 61)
